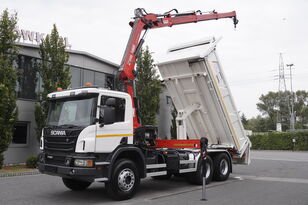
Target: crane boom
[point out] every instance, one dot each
(144, 21)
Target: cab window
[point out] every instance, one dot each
(119, 107)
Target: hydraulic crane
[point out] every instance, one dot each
(144, 21)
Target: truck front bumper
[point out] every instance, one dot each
(79, 173)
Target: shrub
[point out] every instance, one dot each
(31, 161)
(280, 141)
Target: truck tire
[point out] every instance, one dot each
(124, 180)
(196, 177)
(222, 167)
(75, 185)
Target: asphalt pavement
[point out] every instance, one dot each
(274, 177)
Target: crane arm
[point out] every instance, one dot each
(144, 21)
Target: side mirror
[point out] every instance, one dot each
(107, 115)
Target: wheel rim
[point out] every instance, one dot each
(224, 167)
(126, 179)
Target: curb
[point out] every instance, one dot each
(19, 174)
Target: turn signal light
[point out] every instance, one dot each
(90, 163)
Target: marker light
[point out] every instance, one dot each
(59, 89)
(88, 84)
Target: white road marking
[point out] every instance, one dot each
(279, 159)
(238, 178)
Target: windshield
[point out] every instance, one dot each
(70, 111)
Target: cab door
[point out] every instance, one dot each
(115, 124)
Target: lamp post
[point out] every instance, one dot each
(292, 117)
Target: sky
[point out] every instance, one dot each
(249, 54)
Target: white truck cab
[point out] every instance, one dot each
(106, 116)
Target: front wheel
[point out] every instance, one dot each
(75, 185)
(124, 180)
(222, 167)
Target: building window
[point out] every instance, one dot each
(76, 77)
(99, 79)
(21, 133)
(27, 78)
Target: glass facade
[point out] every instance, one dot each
(29, 83)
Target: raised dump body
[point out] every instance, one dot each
(196, 82)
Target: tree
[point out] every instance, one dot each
(148, 88)
(54, 72)
(275, 102)
(268, 105)
(301, 108)
(260, 124)
(8, 77)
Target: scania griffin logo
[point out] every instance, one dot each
(57, 132)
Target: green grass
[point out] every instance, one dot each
(15, 169)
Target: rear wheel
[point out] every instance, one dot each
(124, 180)
(196, 177)
(75, 185)
(222, 167)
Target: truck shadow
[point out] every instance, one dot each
(97, 193)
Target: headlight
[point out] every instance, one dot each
(83, 163)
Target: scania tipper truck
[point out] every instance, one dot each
(94, 135)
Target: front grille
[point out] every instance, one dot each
(60, 143)
(65, 143)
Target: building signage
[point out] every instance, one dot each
(35, 37)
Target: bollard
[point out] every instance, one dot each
(203, 149)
